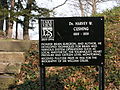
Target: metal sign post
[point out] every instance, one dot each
(42, 78)
(101, 77)
(72, 41)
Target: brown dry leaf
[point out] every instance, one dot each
(110, 45)
(65, 87)
(19, 82)
(73, 79)
(27, 62)
(35, 62)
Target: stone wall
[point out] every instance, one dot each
(11, 59)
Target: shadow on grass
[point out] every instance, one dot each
(53, 83)
(55, 80)
(28, 85)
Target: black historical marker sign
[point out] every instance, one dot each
(71, 41)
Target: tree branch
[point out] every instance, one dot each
(89, 2)
(59, 5)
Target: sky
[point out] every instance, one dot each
(66, 10)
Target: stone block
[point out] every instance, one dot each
(12, 57)
(10, 62)
(10, 68)
(16, 45)
(6, 81)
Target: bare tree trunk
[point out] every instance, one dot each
(9, 22)
(26, 28)
(93, 5)
(2, 6)
(9, 29)
(1, 23)
(26, 21)
(81, 8)
(16, 36)
(94, 9)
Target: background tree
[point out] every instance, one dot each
(22, 12)
(12, 10)
(26, 20)
(94, 3)
(29, 16)
(3, 7)
(1, 16)
(87, 7)
(29, 11)
(81, 5)
(9, 23)
(118, 2)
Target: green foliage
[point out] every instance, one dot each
(21, 10)
(111, 16)
(28, 85)
(112, 33)
(24, 11)
(28, 79)
(81, 88)
(71, 77)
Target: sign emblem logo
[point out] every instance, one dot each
(47, 30)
